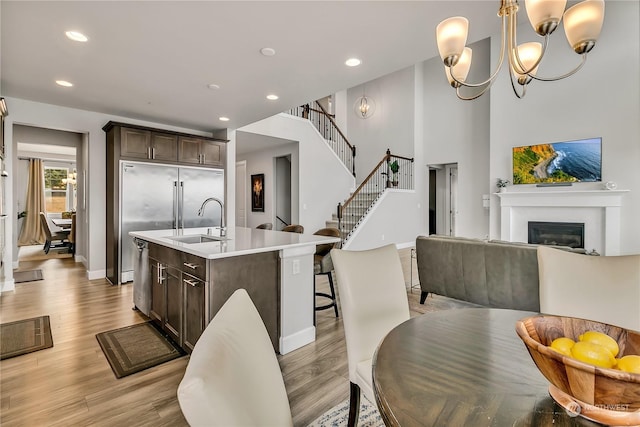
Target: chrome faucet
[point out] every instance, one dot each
(223, 229)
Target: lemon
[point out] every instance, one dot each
(592, 353)
(563, 345)
(602, 339)
(629, 363)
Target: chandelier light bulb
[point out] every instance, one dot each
(461, 70)
(364, 107)
(583, 23)
(545, 15)
(451, 36)
(529, 53)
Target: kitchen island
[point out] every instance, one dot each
(183, 277)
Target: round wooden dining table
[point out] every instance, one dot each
(463, 367)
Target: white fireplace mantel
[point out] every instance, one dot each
(600, 209)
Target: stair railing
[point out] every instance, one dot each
(352, 212)
(329, 130)
(284, 223)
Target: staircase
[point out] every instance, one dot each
(324, 123)
(359, 209)
(391, 172)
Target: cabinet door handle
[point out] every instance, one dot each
(153, 153)
(190, 265)
(204, 159)
(161, 277)
(148, 152)
(190, 282)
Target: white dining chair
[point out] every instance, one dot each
(233, 377)
(373, 300)
(601, 288)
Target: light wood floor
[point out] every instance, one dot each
(72, 383)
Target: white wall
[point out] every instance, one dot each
(86, 122)
(458, 132)
(321, 179)
(391, 125)
(263, 162)
(591, 103)
(400, 216)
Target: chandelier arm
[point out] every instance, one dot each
(477, 95)
(514, 87)
(516, 55)
(570, 73)
(495, 73)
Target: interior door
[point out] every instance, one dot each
(241, 193)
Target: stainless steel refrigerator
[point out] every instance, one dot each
(157, 197)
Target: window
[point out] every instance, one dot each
(59, 189)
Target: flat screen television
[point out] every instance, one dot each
(558, 162)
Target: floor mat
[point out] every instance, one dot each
(25, 336)
(27, 276)
(134, 348)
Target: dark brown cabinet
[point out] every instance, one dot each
(178, 294)
(166, 290)
(148, 145)
(188, 290)
(198, 151)
(194, 306)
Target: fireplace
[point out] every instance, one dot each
(557, 233)
(598, 210)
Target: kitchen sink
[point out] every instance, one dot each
(197, 238)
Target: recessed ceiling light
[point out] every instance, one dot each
(64, 83)
(224, 119)
(213, 86)
(76, 36)
(353, 62)
(267, 51)
(272, 97)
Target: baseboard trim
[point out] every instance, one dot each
(297, 340)
(97, 274)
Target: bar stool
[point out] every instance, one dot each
(322, 264)
(293, 228)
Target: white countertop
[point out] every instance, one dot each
(239, 241)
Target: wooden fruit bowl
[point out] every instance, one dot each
(604, 395)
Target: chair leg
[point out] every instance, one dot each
(47, 245)
(333, 294)
(314, 300)
(354, 405)
(423, 296)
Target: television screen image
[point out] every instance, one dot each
(569, 161)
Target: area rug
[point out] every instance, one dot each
(134, 348)
(27, 276)
(339, 415)
(25, 336)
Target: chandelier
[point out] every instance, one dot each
(364, 107)
(582, 25)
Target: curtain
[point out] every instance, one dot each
(32, 232)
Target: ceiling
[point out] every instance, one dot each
(154, 60)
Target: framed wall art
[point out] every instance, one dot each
(257, 193)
